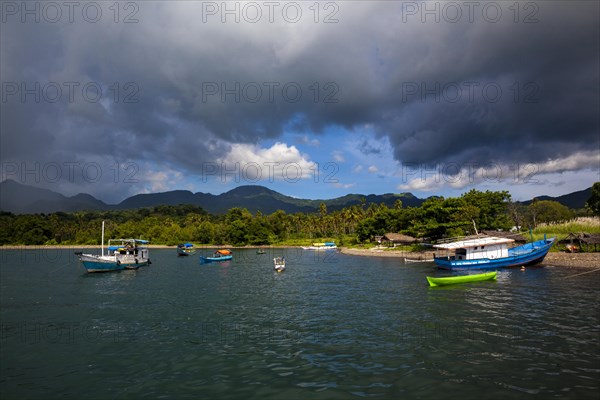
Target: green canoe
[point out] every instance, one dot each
(451, 280)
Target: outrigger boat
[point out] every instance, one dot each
(219, 255)
(491, 253)
(321, 246)
(122, 254)
(186, 249)
(279, 263)
(452, 280)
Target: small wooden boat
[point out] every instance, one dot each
(279, 263)
(219, 255)
(451, 280)
(186, 249)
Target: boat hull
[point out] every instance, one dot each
(215, 259)
(453, 280)
(101, 266)
(185, 253)
(528, 254)
(93, 263)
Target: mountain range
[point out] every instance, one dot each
(24, 199)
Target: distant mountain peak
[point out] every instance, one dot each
(250, 190)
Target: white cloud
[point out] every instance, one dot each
(454, 176)
(576, 161)
(372, 169)
(162, 180)
(358, 168)
(344, 185)
(304, 139)
(338, 156)
(251, 163)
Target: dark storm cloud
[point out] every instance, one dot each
(193, 82)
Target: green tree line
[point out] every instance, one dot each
(437, 217)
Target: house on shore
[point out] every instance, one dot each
(397, 239)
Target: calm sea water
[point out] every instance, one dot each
(331, 326)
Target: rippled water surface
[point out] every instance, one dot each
(330, 326)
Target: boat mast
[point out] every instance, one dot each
(102, 245)
(475, 226)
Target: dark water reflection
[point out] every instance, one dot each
(330, 326)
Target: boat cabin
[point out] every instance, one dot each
(480, 248)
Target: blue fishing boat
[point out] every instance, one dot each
(122, 254)
(185, 249)
(219, 255)
(490, 253)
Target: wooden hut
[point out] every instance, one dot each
(397, 239)
(581, 241)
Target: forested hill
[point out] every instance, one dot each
(23, 199)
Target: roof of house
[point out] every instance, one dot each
(399, 238)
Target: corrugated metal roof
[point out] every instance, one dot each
(485, 241)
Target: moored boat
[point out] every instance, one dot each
(321, 246)
(122, 254)
(219, 255)
(185, 249)
(452, 280)
(491, 253)
(279, 263)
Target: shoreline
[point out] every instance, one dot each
(150, 246)
(558, 259)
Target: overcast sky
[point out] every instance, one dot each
(313, 100)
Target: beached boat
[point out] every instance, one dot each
(452, 280)
(122, 254)
(321, 246)
(185, 249)
(279, 263)
(490, 253)
(219, 255)
(417, 260)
